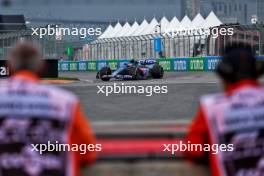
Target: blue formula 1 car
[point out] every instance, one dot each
(133, 70)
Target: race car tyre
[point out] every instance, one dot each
(135, 73)
(105, 71)
(139, 75)
(157, 71)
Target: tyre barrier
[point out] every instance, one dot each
(169, 64)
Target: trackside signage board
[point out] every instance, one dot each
(64, 66)
(82, 66)
(113, 64)
(196, 64)
(157, 44)
(91, 65)
(51, 70)
(169, 64)
(211, 63)
(4, 72)
(166, 64)
(180, 64)
(73, 66)
(100, 64)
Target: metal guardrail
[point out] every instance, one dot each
(141, 129)
(136, 158)
(152, 132)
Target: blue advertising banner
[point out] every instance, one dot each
(180, 64)
(82, 66)
(64, 66)
(211, 62)
(157, 44)
(122, 62)
(208, 63)
(100, 64)
(112, 64)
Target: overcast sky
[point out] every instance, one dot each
(101, 10)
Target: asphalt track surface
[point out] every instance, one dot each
(181, 101)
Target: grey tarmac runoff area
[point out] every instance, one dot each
(180, 103)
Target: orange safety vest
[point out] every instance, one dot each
(237, 118)
(34, 113)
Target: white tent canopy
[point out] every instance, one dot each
(186, 22)
(198, 21)
(146, 28)
(134, 27)
(211, 21)
(141, 28)
(108, 30)
(174, 23)
(127, 40)
(116, 29)
(151, 27)
(164, 24)
(124, 30)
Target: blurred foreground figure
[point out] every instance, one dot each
(233, 120)
(31, 115)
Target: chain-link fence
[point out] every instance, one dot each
(50, 47)
(139, 47)
(9, 38)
